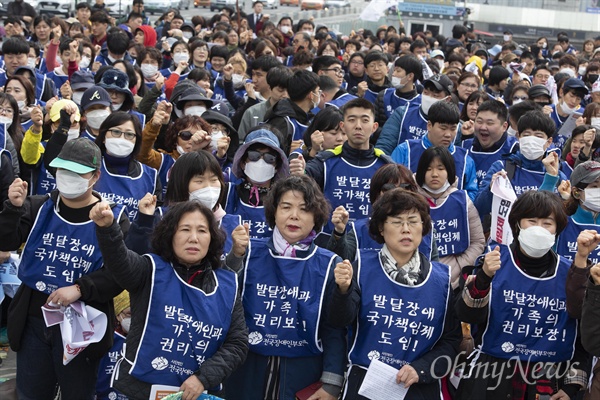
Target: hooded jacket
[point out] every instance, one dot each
(276, 117)
(149, 35)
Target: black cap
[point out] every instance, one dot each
(537, 91)
(82, 79)
(441, 83)
(93, 96)
(508, 32)
(575, 84)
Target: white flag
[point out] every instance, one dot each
(504, 197)
(374, 11)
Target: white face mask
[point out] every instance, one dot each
(536, 241)
(85, 62)
(117, 106)
(544, 45)
(6, 121)
(180, 56)
(440, 63)
(73, 133)
(77, 96)
(95, 118)
(517, 101)
(427, 102)
(195, 110)
(180, 150)
(21, 104)
(444, 187)
(397, 83)
(285, 29)
(237, 79)
(259, 171)
(188, 35)
(581, 70)
(595, 122)
(511, 131)
(31, 62)
(532, 147)
(214, 138)
(149, 70)
(566, 109)
(126, 324)
(568, 71)
(506, 37)
(119, 147)
(207, 196)
(71, 185)
(592, 199)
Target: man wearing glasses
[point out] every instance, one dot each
(332, 67)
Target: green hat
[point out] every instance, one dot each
(79, 155)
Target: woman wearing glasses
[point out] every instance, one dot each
(257, 164)
(400, 303)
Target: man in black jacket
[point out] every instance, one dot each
(24, 11)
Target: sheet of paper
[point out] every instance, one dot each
(567, 128)
(380, 383)
(158, 392)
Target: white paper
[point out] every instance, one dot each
(375, 9)
(567, 127)
(9, 281)
(158, 392)
(503, 198)
(380, 383)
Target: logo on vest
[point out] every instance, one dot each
(41, 286)
(112, 396)
(160, 363)
(373, 355)
(508, 347)
(255, 338)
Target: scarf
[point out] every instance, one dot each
(289, 249)
(407, 274)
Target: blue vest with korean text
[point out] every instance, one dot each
(340, 101)
(566, 243)
(391, 101)
(45, 182)
(398, 324)
(364, 241)
(297, 128)
(528, 316)
(123, 189)
(525, 180)
(228, 224)
(451, 222)
(254, 216)
(414, 123)
(104, 391)
(283, 298)
(348, 185)
(484, 160)
(58, 252)
(184, 326)
(416, 148)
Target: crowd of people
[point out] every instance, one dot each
(267, 209)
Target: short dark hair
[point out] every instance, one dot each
(395, 202)
(101, 17)
(185, 168)
(314, 199)
(326, 83)
(83, 4)
(458, 30)
(327, 119)
(444, 112)
(417, 44)
(265, 63)
(179, 125)
(537, 204)
(436, 152)
(303, 82)
(219, 51)
(495, 107)
(537, 121)
(391, 176)
(410, 64)
(162, 238)
(497, 75)
(15, 45)
(359, 102)
(154, 54)
(65, 45)
(516, 111)
(455, 57)
(116, 119)
(279, 76)
(324, 62)
(373, 56)
(220, 35)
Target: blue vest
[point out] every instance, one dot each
(416, 148)
(2, 136)
(123, 189)
(254, 216)
(88, 135)
(348, 185)
(45, 180)
(451, 221)
(484, 160)
(364, 241)
(391, 102)
(558, 140)
(340, 101)
(166, 72)
(283, 299)
(525, 180)
(166, 163)
(297, 128)
(528, 316)
(58, 80)
(414, 124)
(398, 324)
(228, 224)
(57, 252)
(104, 391)
(187, 325)
(26, 125)
(370, 96)
(566, 169)
(566, 243)
(140, 116)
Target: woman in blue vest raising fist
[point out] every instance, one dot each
(517, 296)
(187, 329)
(400, 303)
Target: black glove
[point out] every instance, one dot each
(65, 122)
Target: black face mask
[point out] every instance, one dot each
(592, 78)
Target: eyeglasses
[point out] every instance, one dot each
(542, 76)
(411, 223)
(269, 158)
(337, 71)
(6, 111)
(117, 134)
(515, 98)
(357, 63)
(185, 135)
(469, 85)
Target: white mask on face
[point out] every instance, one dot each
(595, 122)
(117, 106)
(207, 196)
(517, 101)
(397, 82)
(237, 79)
(581, 70)
(126, 324)
(119, 147)
(532, 147)
(149, 70)
(427, 102)
(188, 35)
(195, 110)
(214, 138)
(6, 120)
(259, 171)
(180, 150)
(310, 32)
(444, 187)
(31, 62)
(21, 104)
(566, 109)
(506, 37)
(95, 118)
(77, 96)
(544, 45)
(85, 62)
(285, 29)
(511, 131)
(73, 133)
(440, 63)
(568, 71)
(536, 241)
(71, 185)
(180, 56)
(315, 103)
(592, 199)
